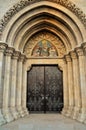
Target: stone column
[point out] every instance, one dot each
(2, 49)
(70, 86)
(6, 88)
(82, 69)
(14, 85)
(65, 88)
(84, 47)
(24, 89)
(76, 80)
(19, 85)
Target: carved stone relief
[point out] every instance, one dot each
(44, 44)
(45, 49)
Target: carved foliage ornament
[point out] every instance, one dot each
(23, 3)
(3, 46)
(80, 51)
(9, 51)
(16, 55)
(21, 58)
(73, 55)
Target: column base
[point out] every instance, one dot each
(85, 121)
(20, 111)
(76, 113)
(64, 111)
(70, 111)
(82, 116)
(14, 113)
(8, 116)
(2, 120)
(25, 111)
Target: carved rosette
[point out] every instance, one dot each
(68, 58)
(3, 47)
(80, 51)
(73, 55)
(9, 51)
(23, 3)
(15, 55)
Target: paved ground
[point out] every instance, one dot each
(44, 122)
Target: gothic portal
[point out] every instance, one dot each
(43, 59)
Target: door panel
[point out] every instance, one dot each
(35, 89)
(53, 86)
(45, 89)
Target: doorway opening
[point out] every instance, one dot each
(44, 89)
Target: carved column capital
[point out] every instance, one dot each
(64, 60)
(3, 46)
(25, 59)
(79, 51)
(15, 55)
(73, 55)
(68, 58)
(21, 57)
(84, 46)
(9, 51)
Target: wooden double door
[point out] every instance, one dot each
(44, 89)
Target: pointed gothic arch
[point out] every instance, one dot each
(23, 21)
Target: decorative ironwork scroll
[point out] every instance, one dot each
(45, 89)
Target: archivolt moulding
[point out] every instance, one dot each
(23, 3)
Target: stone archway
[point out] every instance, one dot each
(25, 19)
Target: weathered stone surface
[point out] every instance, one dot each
(22, 28)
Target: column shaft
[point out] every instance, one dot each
(2, 49)
(24, 90)
(84, 48)
(14, 85)
(65, 89)
(19, 86)
(76, 79)
(6, 88)
(70, 86)
(82, 69)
